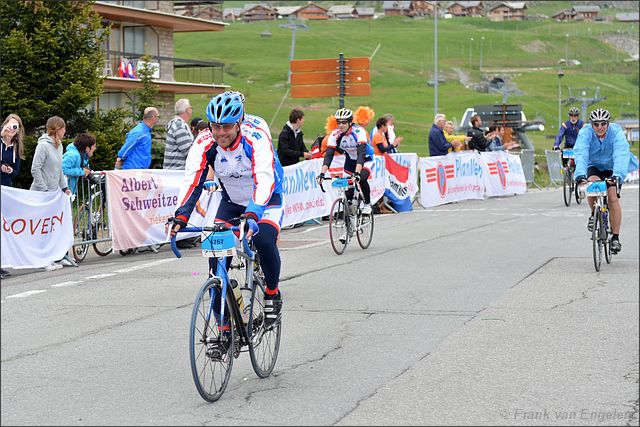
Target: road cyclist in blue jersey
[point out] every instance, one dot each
(237, 147)
(569, 132)
(602, 153)
(350, 139)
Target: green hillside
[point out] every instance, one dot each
(400, 69)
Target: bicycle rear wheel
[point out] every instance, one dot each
(101, 228)
(596, 240)
(566, 187)
(264, 344)
(605, 240)
(211, 350)
(338, 226)
(82, 233)
(365, 230)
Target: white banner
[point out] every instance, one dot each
(141, 200)
(445, 179)
(303, 198)
(37, 227)
(503, 174)
(409, 160)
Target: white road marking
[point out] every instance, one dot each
(100, 276)
(26, 294)
(149, 264)
(71, 283)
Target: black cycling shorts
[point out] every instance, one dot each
(603, 175)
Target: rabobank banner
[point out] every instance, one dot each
(303, 198)
(37, 227)
(503, 174)
(141, 201)
(445, 179)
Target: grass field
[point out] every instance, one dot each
(404, 63)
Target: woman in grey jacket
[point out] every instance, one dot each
(46, 167)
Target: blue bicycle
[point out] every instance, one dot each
(222, 325)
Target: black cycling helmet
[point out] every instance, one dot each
(573, 111)
(600, 115)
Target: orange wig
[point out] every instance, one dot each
(331, 124)
(363, 115)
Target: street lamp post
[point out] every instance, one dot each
(470, 41)
(566, 49)
(560, 75)
(481, 47)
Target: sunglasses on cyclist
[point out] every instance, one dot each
(225, 127)
(574, 115)
(599, 124)
(343, 122)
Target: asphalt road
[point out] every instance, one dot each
(474, 313)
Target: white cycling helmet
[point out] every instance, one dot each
(573, 111)
(600, 115)
(344, 114)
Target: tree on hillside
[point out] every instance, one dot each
(50, 54)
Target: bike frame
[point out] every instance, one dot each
(222, 278)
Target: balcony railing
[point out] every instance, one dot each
(116, 64)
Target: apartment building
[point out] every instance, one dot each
(147, 27)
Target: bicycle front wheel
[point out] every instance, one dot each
(101, 228)
(596, 240)
(82, 233)
(566, 187)
(264, 344)
(338, 226)
(605, 239)
(365, 230)
(211, 342)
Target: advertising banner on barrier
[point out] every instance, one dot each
(141, 200)
(37, 227)
(303, 199)
(503, 174)
(409, 160)
(396, 187)
(445, 179)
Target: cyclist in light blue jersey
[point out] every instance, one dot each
(602, 153)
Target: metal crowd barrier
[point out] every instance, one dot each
(90, 217)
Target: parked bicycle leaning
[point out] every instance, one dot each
(602, 153)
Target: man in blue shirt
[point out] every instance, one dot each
(136, 151)
(569, 131)
(602, 153)
(438, 144)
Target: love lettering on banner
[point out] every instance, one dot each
(141, 201)
(37, 227)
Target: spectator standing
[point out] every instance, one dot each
(379, 139)
(12, 151)
(390, 133)
(493, 136)
(478, 140)
(194, 125)
(75, 160)
(46, 169)
(179, 136)
(438, 144)
(136, 151)
(290, 141)
(450, 137)
(202, 125)
(12, 148)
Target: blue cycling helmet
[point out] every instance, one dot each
(225, 108)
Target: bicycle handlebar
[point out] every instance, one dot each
(320, 179)
(215, 229)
